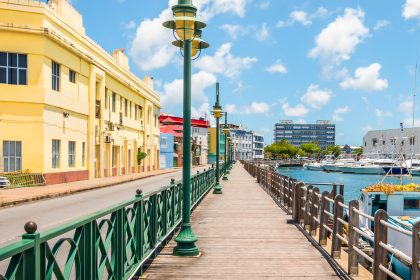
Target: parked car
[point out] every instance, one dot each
(4, 182)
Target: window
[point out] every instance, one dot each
(12, 156)
(13, 68)
(164, 143)
(148, 116)
(72, 148)
(126, 107)
(135, 112)
(55, 76)
(411, 204)
(55, 153)
(83, 153)
(412, 140)
(141, 112)
(72, 76)
(114, 97)
(131, 110)
(121, 103)
(156, 121)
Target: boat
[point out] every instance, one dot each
(368, 169)
(339, 164)
(403, 208)
(313, 166)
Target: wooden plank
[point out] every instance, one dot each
(243, 234)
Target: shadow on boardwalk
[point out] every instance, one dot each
(243, 234)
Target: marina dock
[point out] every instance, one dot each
(243, 234)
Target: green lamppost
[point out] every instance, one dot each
(187, 31)
(226, 132)
(217, 113)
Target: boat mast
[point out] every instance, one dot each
(414, 109)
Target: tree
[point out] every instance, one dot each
(334, 150)
(358, 151)
(310, 148)
(281, 150)
(140, 156)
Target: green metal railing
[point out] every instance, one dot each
(114, 243)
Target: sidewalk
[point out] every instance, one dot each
(15, 196)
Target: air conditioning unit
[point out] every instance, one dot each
(111, 126)
(108, 139)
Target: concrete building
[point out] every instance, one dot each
(199, 137)
(212, 145)
(166, 151)
(68, 108)
(392, 141)
(322, 132)
(243, 140)
(258, 146)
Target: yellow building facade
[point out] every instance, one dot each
(68, 108)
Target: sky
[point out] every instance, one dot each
(351, 62)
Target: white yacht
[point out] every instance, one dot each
(336, 167)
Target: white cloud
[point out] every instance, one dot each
(256, 108)
(151, 47)
(173, 91)
(230, 108)
(366, 79)
(316, 97)
(200, 111)
(277, 67)
(381, 114)
(337, 42)
(129, 25)
(338, 112)
(262, 33)
(298, 111)
(411, 9)
(253, 108)
(406, 107)
(223, 62)
(234, 30)
(301, 17)
(381, 24)
(367, 128)
(263, 4)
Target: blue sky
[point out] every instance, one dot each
(351, 62)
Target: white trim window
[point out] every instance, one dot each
(55, 76)
(12, 156)
(72, 153)
(13, 68)
(55, 153)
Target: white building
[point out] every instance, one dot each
(248, 145)
(258, 146)
(392, 141)
(200, 135)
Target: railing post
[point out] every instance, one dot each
(296, 202)
(380, 255)
(323, 218)
(306, 218)
(139, 229)
(314, 211)
(353, 257)
(31, 257)
(337, 227)
(415, 269)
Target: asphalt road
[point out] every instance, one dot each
(53, 212)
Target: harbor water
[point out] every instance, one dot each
(353, 183)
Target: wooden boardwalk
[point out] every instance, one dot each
(243, 234)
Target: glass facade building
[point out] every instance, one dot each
(322, 132)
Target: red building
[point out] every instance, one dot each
(199, 135)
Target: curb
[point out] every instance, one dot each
(70, 192)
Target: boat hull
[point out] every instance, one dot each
(363, 170)
(395, 170)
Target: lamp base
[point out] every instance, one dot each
(217, 189)
(186, 242)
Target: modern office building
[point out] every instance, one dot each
(322, 132)
(393, 142)
(68, 108)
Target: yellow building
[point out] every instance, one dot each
(212, 145)
(69, 109)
